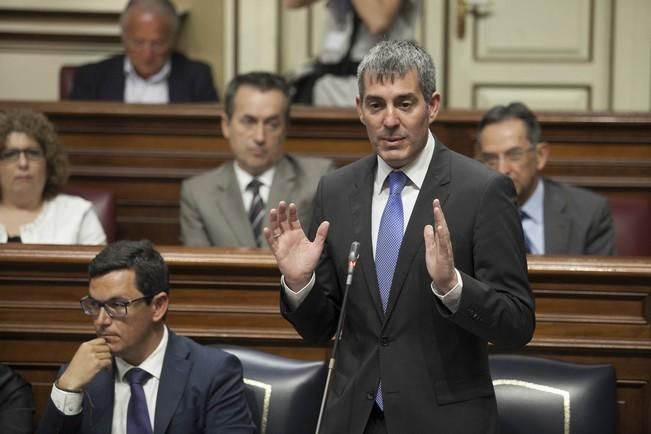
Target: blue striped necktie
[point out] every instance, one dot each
(389, 239)
(527, 241)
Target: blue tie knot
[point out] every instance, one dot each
(397, 181)
(523, 215)
(137, 376)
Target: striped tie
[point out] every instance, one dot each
(256, 210)
(527, 241)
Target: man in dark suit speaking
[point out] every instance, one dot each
(442, 268)
(137, 376)
(557, 219)
(149, 71)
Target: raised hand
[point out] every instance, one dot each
(439, 257)
(296, 256)
(90, 358)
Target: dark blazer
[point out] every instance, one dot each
(200, 391)
(212, 211)
(189, 81)
(433, 364)
(577, 221)
(16, 403)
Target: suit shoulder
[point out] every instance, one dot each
(575, 195)
(208, 177)
(312, 165)
(181, 61)
(103, 65)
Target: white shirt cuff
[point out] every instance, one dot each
(68, 403)
(452, 299)
(294, 299)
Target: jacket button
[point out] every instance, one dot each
(370, 396)
(384, 341)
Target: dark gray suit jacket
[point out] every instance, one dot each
(189, 81)
(433, 364)
(212, 211)
(577, 221)
(200, 391)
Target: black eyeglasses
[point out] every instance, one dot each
(32, 154)
(113, 308)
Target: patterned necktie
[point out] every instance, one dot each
(256, 210)
(389, 238)
(137, 413)
(527, 241)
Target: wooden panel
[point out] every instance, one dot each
(143, 152)
(589, 310)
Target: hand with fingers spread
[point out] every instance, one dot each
(296, 256)
(91, 357)
(439, 257)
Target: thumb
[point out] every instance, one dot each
(321, 233)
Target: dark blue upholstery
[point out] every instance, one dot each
(284, 394)
(542, 396)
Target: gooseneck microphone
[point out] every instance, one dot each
(353, 255)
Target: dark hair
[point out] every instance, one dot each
(160, 7)
(39, 128)
(152, 276)
(515, 110)
(394, 58)
(263, 81)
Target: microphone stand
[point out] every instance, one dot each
(353, 255)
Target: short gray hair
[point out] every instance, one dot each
(391, 59)
(163, 8)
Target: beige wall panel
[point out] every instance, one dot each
(295, 39)
(571, 99)
(632, 56)
(512, 32)
(258, 36)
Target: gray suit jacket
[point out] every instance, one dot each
(577, 221)
(212, 210)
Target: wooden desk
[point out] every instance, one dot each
(589, 310)
(143, 152)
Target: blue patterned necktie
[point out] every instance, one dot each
(256, 211)
(137, 413)
(527, 241)
(389, 239)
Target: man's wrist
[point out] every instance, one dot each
(65, 389)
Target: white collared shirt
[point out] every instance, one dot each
(70, 403)
(534, 226)
(244, 178)
(152, 90)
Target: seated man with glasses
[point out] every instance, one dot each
(149, 71)
(137, 376)
(556, 218)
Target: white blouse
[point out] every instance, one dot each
(64, 220)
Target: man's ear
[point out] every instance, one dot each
(160, 303)
(358, 106)
(433, 106)
(226, 124)
(542, 154)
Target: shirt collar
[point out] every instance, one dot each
(161, 75)
(244, 177)
(534, 205)
(415, 170)
(152, 364)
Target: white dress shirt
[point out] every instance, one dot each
(70, 403)
(152, 90)
(534, 226)
(416, 172)
(244, 178)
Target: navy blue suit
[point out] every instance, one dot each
(200, 391)
(189, 81)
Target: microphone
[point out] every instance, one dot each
(353, 255)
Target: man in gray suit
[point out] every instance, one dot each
(556, 218)
(226, 206)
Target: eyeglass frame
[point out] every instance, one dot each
(513, 155)
(121, 303)
(12, 155)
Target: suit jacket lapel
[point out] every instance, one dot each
(435, 185)
(173, 378)
(100, 398)
(557, 224)
(360, 201)
(229, 201)
(117, 85)
(282, 187)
